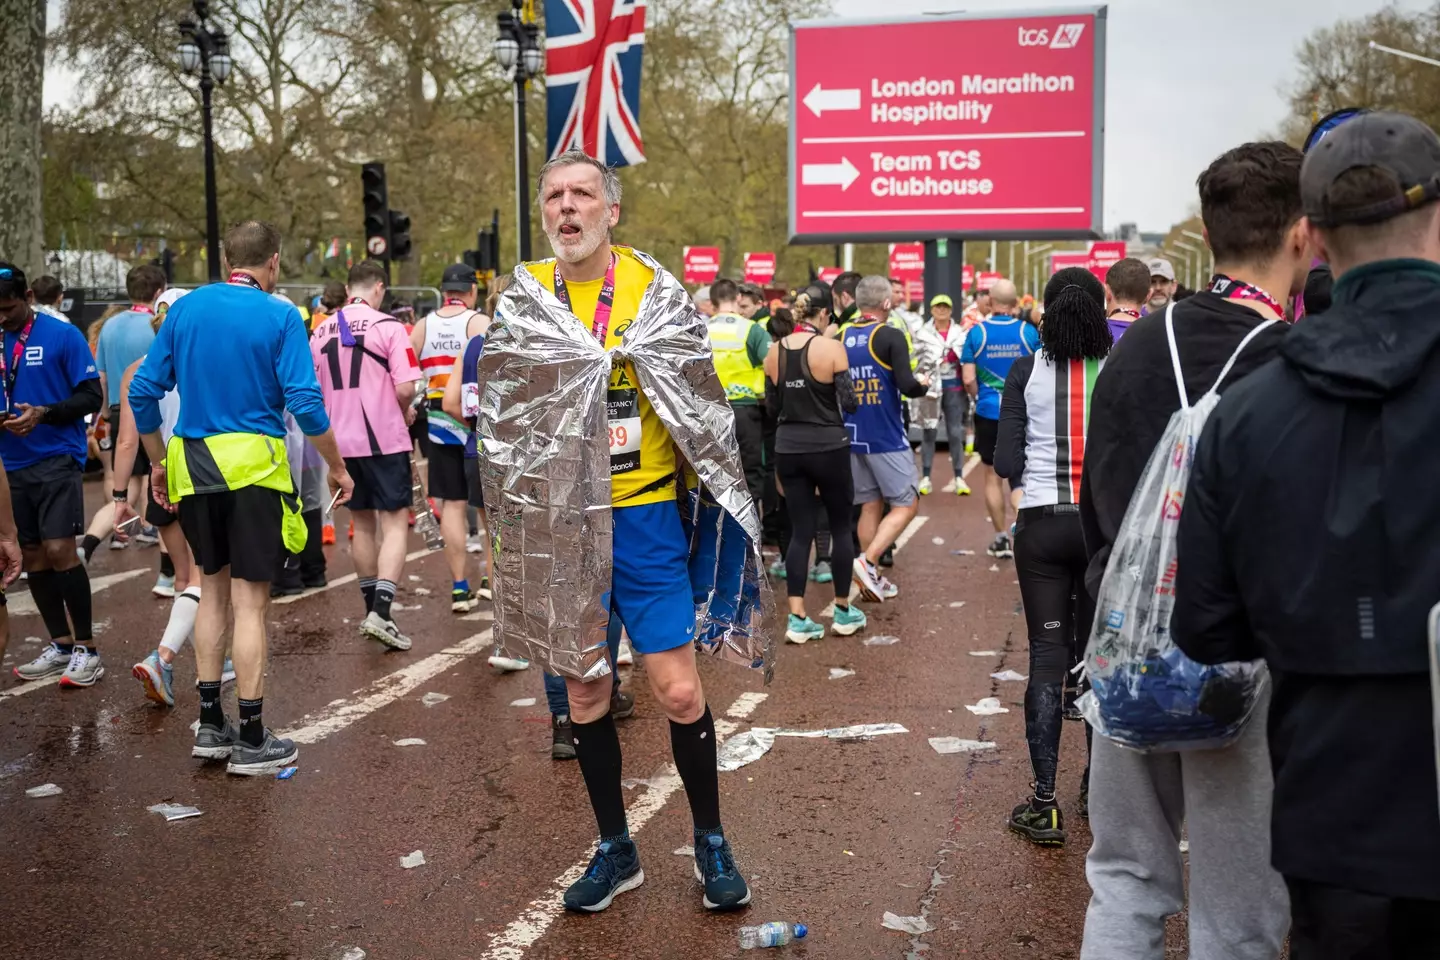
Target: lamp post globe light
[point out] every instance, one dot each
(206, 49)
(520, 51)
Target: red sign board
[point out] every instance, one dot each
(828, 275)
(907, 264)
(988, 279)
(1100, 258)
(1002, 142)
(702, 264)
(967, 277)
(759, 268)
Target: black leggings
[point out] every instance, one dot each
(801, 474)
(1050, 561)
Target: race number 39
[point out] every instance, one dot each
(623, 408)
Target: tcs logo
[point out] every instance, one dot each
(1066, 37)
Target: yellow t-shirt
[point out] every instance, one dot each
(642, 468)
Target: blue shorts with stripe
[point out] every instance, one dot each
(650, 585)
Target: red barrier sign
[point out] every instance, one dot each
(988, 279)
(702, 264)
(907, 264)
(967, 277)
(828, 275)
(1101, 257)
(760, 268)
(986, 126)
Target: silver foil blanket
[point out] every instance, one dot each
(545, 469)
(928, 349)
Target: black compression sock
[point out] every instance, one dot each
(252, 728)
(367, 590)
(694, 747)
(167, 565)
(211, 713)
(48, 592)
(384, 596)
(88, 546)
(597, 747)
(75, 584)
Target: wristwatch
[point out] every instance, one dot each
(119, 496)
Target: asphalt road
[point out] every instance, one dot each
(831, 833)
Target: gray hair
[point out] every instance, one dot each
(569, 158)
(872, 292)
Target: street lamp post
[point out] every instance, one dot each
(1205, 244)
(1192, 266)
(207, 49)
(518, 49)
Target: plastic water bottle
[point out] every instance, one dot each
(770, 935)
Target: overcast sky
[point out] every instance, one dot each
(1186, 81)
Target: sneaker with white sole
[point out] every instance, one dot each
(926, 487)
(483, 591)
(505, 663)
(1000, 548)
(613, 870)
(821, 572)
(802, 629)
(52, 660)
(270, 757)
(962, 489)
(473, 544)
(888, 590)
(378, 628)
(84, 668)
(148, 536)
(625, 656)
(848, 620)
(462, 601)
(164, 587)
(158, 679)
(215, 743)
(867, 579)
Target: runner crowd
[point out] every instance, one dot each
(1306, 539)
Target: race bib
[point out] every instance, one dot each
(470, 399)
(623, 409)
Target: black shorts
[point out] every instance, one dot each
(240, 529)
(420, 432)
(447, 472)
(156, 515)
(142, 459)
(472, 477)
(987, 432)
(382, 482)
(49, 500)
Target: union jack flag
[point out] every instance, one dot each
(592, 78)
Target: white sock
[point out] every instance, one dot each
(182, 620)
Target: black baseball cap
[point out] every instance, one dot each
(457, 276)
(12, 280)
(1398, 144)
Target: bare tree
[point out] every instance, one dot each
(22, 73)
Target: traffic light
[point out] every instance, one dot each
(399, 235)
(377, 211)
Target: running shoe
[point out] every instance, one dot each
(378, 628)
(473, 544)
(777, 570)
(272, 755)
(286, 590)
(327, 534)
(52, 660)
(969, 446)
(821, 572)
(84, 668)
(866, 579)
(888, 590)
(625, 656)
(614, 869)
(148, 536)
(164, 587)
(622, 705)
(802, 629)
(1000, 547)
(715, 867)
(562, 737)
(1084, 808)
(462, 601)
(316, 582)
(118, 541)
(926, 487)
(215, 743)
(962, 489)
(158, 679)
(848, 620)
(485, 593)
(887, 559)
(505, 663)
(1040, 822)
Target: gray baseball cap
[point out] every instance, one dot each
(1160, 267)
(1398, 144)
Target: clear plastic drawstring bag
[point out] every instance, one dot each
(1145, 693)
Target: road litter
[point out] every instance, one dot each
(938, 541)
(174, 811)
(987, 707)
(879, 641)
(984, 653)
(750, 745)
(412, 860)
(948, 745)
(956, 604)
(847, 853)
(523, 702)
(422, 591)
(630, 783)
(685, 851)
(962, 553)
(994, 568)
(414, 578)
(1184, 846)
(349, 953)
(1009, 675)
(44, 790)
(430, 699)
(288, 772)
(29, 641)
(915, 925)
(840, 673)
(410, 742)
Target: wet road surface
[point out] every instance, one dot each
(830, 833)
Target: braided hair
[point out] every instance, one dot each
(1074, 327)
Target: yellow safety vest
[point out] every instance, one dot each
(742, 379)
(231, 461)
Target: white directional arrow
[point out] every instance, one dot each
(840, 174)
(820, 100)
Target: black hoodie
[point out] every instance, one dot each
(1311, 537)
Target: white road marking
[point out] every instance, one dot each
(340, 714)
(746, 705)
(512, 942)
(339, 582)
(23, 605)
(25, 688)
(970, 464)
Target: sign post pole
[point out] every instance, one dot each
(943, 272)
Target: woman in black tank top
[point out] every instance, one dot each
(807, 385)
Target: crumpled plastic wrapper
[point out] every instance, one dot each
(546, 477)
(927, 349)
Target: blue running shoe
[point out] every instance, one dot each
(821, 572)
(614, 869)
(158, 679)
(801, 629)
(715, 867)
(849, 620)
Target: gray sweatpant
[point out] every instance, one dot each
(1239, 909)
